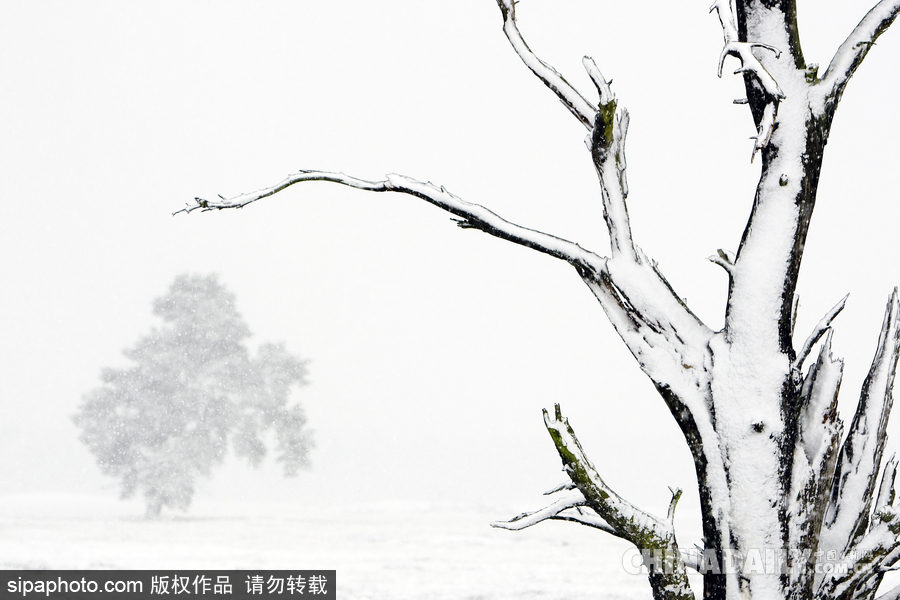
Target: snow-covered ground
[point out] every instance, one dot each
(379, 551)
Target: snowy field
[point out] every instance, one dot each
(379, 552)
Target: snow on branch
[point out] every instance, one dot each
(820, 428)
(724, 259)
(607, 145)
(886, 489)
(645, 531)
(555, 511)
(892, 594)
(577, 104)
(743, 51)
(819, 440)
(607, 126)
(632, 523)
(821, 327)
(847, 516)
(866, 561)
(637, 299)
(472, 216)
(854, 49)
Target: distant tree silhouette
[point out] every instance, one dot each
(192, 389)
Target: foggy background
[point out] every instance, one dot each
(432, 350)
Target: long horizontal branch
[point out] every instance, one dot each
(636, 294)
(473, 216)
(851, 53)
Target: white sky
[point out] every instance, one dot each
(433, 349)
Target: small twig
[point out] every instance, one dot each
(723, 259)
(566, 485)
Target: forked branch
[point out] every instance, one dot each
(648, 533)
(631, 522)
(743, 51)
(578, 105)
(607, 125)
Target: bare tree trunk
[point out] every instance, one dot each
(789, 503)
(153, 508)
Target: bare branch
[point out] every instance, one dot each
(743, 51)
(819, 441)
(642, 529)
(553, 512)
(609, 127)
(585, 517)
(577, 104)
(473, 216)
(867, 559)
(723, 259)
(893, 594)
(886, 489)
(608, 152)
(670, 514)
(642, 306)
(565, 485)
(847, 517)
(528, 519)
(600, 82)
(750, 64)
(821, 327)
(243, 200)
(854, 49)
(634, 524)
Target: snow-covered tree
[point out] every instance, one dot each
(192, 389)
(785, 486)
